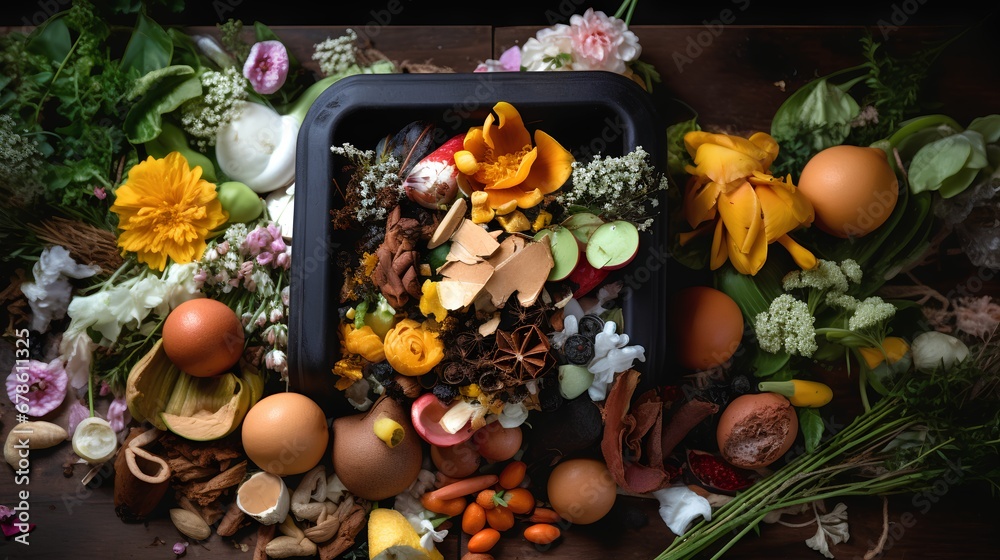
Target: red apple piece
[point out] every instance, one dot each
(586, 278)
(613, 245)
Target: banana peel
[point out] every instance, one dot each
(195, 408)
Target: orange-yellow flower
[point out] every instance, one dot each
(501, 161)
(411, 349)
(732, 192)
(165, 210)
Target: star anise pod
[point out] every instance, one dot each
(470, 344)
(515, 314)
(523, 353)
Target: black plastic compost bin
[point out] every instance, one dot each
(589, 113)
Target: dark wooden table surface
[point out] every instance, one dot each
(734, 79)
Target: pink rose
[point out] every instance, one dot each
(601, 42)
(266, 66)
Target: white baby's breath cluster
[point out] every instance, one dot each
(20, 162)
(372, 174)
(224, 98)
(827, 275)
(334, 55)
(787, 324)
(616, 188)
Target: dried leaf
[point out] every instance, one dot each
(832, 529)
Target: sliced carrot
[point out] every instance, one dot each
(519, 500)
(451, 508)
(474, 518)
(544, 515)
(513, 474)
(542, 533)
(465, 486)
(500, 518)
(484, 540)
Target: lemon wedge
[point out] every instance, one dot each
(94, 440)
(391, 537)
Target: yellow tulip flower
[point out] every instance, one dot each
(502, 162)
(732, 193)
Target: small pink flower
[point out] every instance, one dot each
(42, 385)
(266, 66)
(180, 548)
(77, 413)
(118, 414)
(100, 193)
(601, 42)
(509, 61)
(9, 524)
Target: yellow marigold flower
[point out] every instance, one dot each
(732, 192)
(411, 349)
(501, 161)
(165, 210)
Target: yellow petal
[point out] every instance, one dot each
(719, 253)
(685, 237)
(553, 166)
(802, 256)
(768, 145)
(778, 217)
(700, 201)
(749, 262)
(511, 136)
(530, 199)
(723, 164)
(740, 212)
(475, 143)
(798, 205)
(695, 140)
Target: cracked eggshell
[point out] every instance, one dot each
(264, 497)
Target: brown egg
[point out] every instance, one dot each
(581, 490)
(496, 443)
(457, 461)
(853, 189)
(705, 327)
(285, 433)
(365, 464)
(756, 429)
(203, 337)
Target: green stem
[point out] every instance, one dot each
(90, 391)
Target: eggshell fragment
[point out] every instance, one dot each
(264, 497)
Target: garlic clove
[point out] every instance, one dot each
(94, 440)
(264, 497)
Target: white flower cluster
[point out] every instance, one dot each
(826, 275)
(224, 99)
(335, 55)
(616, 187)
(372, 175)
(786, 324)
(49, 292)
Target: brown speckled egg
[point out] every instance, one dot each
(285, 433)
(581, 490)
(756, 429)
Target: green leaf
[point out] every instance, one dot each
(147, 81)
(988, 126)
(677, 155)
(825, 108)
(812, 427)
(51, 39)
(142, 123)
(149, 48)
(958, 182)
(937, 161)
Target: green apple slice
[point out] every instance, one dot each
(613, 245)
(565, 251)
(583, 225)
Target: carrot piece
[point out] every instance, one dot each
(451, 508)
(474, 518)
(465, 486)
(544, 515)
(513, 474)
(542, 533)
(484, 540)
(487, 498)
(519, 500)
(500, 518)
